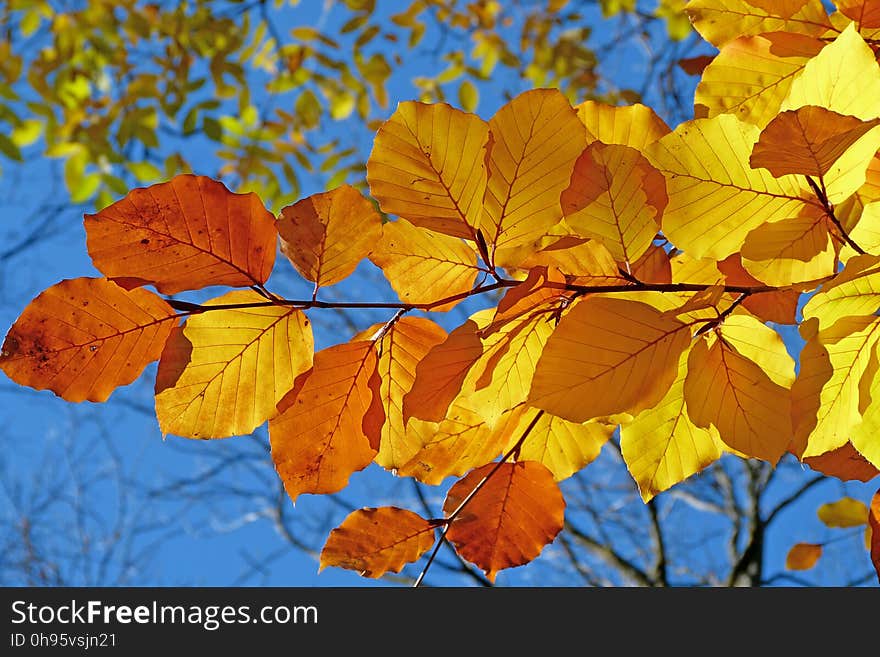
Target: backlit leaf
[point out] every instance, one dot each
(852, 293)
(751, 76)
(534, 142)
(803, 556)
(662, 446)
(715, 198)
(874, 524)
(791, 250)
(563, 447)
(592, 365)
(224, 371)
(329, 423)
(185, 234)
(376, 541)
(825, 396)
(423, 266)
(582, 261)
(326, 235)
(507, 523)
(845, 512)
(719, 21)
(866, 13)
(428, 165)
(401, 348)
(634, 125)
(729, 391)
(780, 307)
(440, 374)
(617, 197)
(461, 441)
(844, 463)
(808, 141)
(84, 337)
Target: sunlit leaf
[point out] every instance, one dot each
(428, 165)
(780, 307)
(507, 523)
(84, 337)
(789, 251)
(376, 541)
(617, 197)
(719, 21)
(662, 446)
(592, 364)
(874, 524)
(224, 371)
(534, 142)
(854, 292)
(715, 198)
(634, 125)
(326, 235)
(185, 234)
(423, 266)
(845, 463)
(329, 423)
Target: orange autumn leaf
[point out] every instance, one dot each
(845, 463)
(377, 541)
(654, 266)
(326, 235)
(534, 141)
(329, 424)
(874, 524)
(428, 165)
(440, 374)
(185, 234)
(803, 556)
(582, 261)
(223, 372)
(719, 21)
(423, 266)
(616, 197)
(512, 517)
(780, 307)
(84, 337)
(401, 348)
(865, 13)
(808, 141)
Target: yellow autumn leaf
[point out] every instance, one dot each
(825, 395)
(719, 21)
(762, 345)
(423, 266)
(715, 198)
(326, 235)
(593, 364)
(633, 125)
(662, 446)
(864, 435)
(329, 424)
(534, 142)
(686, 269)
(844, 78)
(866, 232)
(617, 197)
(852, 293)
(803, 556)
(582, 261)
(729, 391)
(777, 306)
(428, 166)
(789, 251)
(845, 512)
(865, 13)
(458, 443)
(808, 141)
(224, 371)
(751, 76)
(401, 347)
(563, 447)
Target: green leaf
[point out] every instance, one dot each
(212, 128)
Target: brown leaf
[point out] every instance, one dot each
(507, 523)
(845, 463)
(326, 235)
(185, 234)
(329, 424)
(84, 337)
(376, 541)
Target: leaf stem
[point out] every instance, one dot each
(821, 193)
